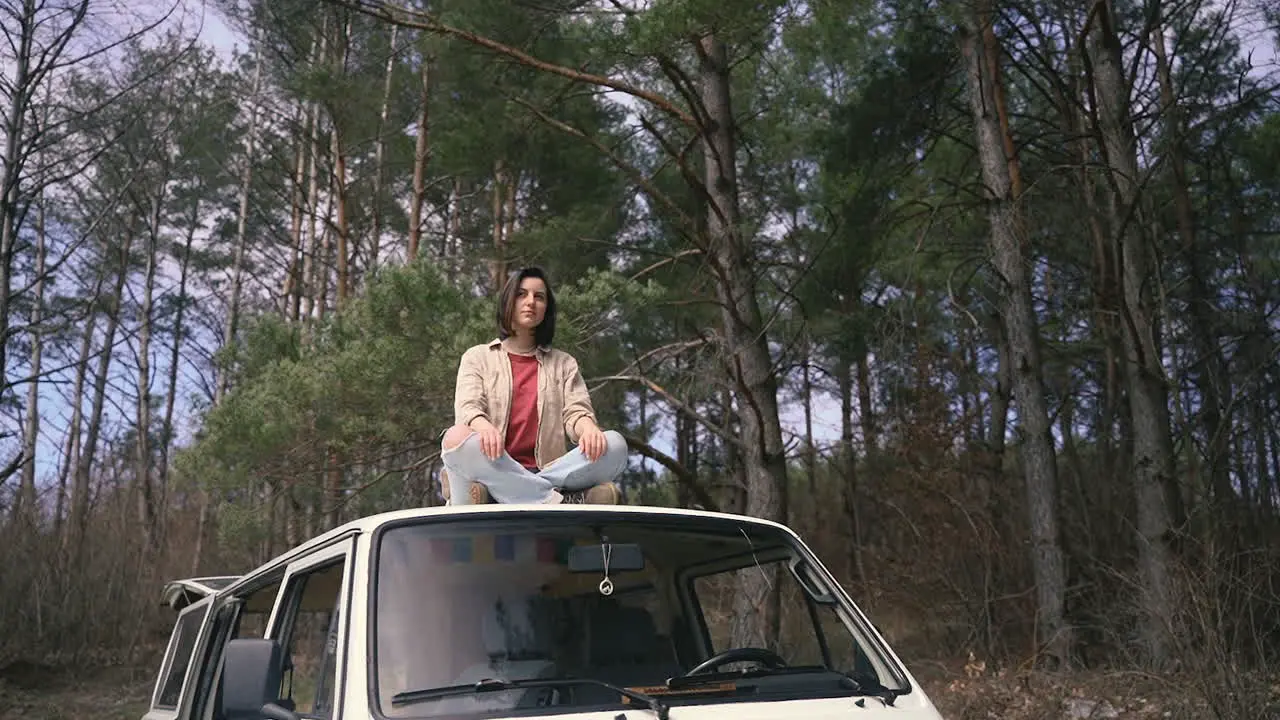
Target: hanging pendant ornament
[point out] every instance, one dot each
(606, 585)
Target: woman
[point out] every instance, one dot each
(516, 399)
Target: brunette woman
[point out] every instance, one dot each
(517, 399)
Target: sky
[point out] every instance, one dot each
(215, 33)
(1258, 39)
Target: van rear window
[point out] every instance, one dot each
(182, 644)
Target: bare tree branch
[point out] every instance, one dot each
(675, 402)
(683, 475)
(419, 20)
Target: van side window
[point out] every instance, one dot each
(205, 672)
(309, 635)
(256, 610)
(182, 644)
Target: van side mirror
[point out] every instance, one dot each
(251, 673)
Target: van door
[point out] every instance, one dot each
(309, 622)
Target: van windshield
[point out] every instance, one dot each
(604, 602)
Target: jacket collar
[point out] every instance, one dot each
(496, 344)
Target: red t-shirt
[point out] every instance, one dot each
(522, 427)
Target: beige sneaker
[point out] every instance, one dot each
(603, 494)
(480, 496)
(479, 493)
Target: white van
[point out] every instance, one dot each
(590, 612)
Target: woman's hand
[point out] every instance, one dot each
(592, 441)
(490, 438)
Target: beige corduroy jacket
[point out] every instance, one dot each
(484, 389)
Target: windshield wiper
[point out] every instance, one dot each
(411, 697)
(690, 681)
(860, 684)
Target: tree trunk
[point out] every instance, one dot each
(311, 257)
(84, 465)
(24, 504)
(338, 148)
(175, 358)
(1259, 450)
(757, 606)
(1210, 370)
(991, 57)
(1152, 443)
(684, 445)
(380, 151)
(1105, 306)
(509, 216)
(293, 281)
(1007, 244)
(735, 476)
(682, 442)
(72, 455)
(148, 508)
(324, 259)
(344, 250)
(242, 222)
(202, 522)
(271, 503)
(849, 463)
(1000, 396)
(866, 409)
(498, 204)
(451, 238)
(333, 490)
(421, 154)
(39, 46)
(292, 519)
(962, 357)
(806, 390)
(1271, 482)
(20, 94)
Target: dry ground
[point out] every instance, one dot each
(45, 692)
(968, 691)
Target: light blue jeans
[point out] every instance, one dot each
(510, 482)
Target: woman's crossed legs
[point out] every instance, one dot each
(511, 483)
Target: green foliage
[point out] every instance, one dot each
(379, 373)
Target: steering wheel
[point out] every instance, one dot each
(768, 658)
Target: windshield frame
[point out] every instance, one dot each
(862, 632)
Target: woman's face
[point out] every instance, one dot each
(530, 306)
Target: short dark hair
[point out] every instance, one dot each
(546, 330)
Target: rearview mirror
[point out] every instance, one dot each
(592, 558)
